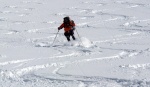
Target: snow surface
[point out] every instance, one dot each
(113, 49)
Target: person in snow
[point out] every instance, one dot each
(69, 27)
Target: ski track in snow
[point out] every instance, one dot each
(85, 80)
(24, 72)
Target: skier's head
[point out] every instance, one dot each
(66, 19)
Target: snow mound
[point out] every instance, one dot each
(42, 44)
(86, 42)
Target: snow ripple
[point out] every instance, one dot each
(14, 62)
(137, 66)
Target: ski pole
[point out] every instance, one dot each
(79, 36)
(55, 38)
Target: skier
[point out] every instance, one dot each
(69, 27)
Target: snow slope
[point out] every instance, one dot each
(113, 51)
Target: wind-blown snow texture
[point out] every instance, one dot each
(113, 51)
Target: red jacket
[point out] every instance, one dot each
(67, 28)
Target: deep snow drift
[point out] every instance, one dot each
(113, 49)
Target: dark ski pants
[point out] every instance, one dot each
(68, 34)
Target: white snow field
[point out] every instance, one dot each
(112, 49)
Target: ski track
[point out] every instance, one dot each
(23, 74)
(27, 70)
(13, 62)
(142, 66)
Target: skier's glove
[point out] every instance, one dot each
(59, 28)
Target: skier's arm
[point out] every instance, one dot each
(61, 26)
(73, 28)
(73, 25)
